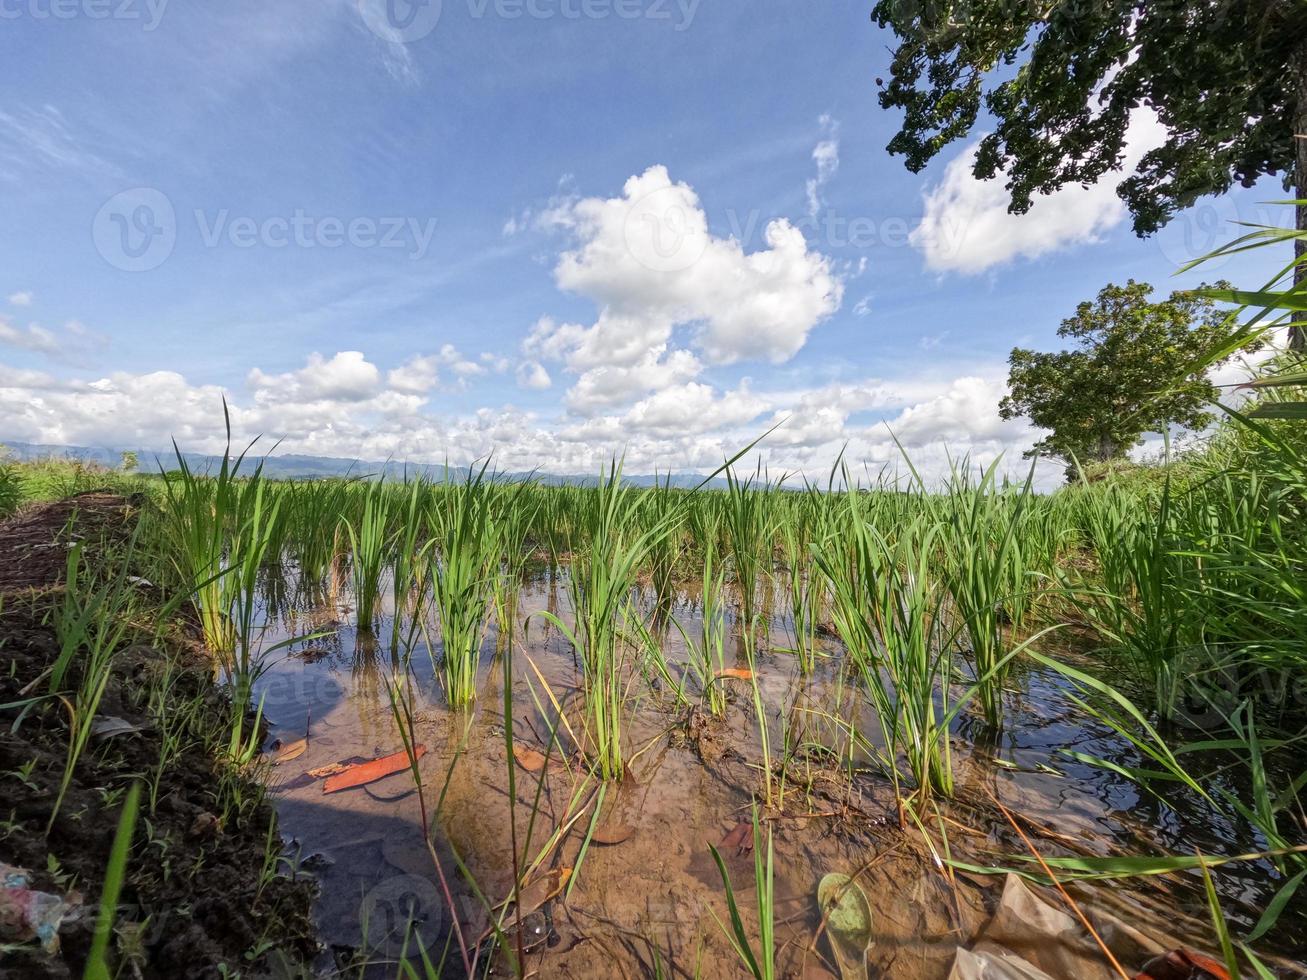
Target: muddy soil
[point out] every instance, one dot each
(195, 897)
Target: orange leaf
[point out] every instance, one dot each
(739, 838)
(1183, 964)
(528, 758)
(370, 772)
(738, 673)
(615, 834)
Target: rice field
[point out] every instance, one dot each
(613, 727)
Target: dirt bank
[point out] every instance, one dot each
(200, 891)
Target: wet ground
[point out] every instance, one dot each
(648, 894)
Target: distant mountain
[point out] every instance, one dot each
(292, 466)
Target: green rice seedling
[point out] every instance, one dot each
(749, 525)
(369, 541)
(600, 585)
(708, 655)
(985, 573)
(760, 715)
(516, 510)
(661, 505)
(249, 550)
(408, 573)
(760, 962)
(93, 621)
(11, 489)
(801, 588)
(1144, 608)
(315, 508)
(464, 567)
(97, 965)
(884, 611)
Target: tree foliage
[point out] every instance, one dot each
(1061, 78)
(1132, 371)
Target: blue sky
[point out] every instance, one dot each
(553, 230)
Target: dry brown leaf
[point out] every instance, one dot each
(289, 751)
(535, 893)
(331, 768)
(370, 772)
(528, 758)
(739, 838)
(612, 834)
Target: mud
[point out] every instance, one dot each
(195, 896)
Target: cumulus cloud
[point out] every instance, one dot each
(343, 405)
(21, 298)
(346, 376)
(966, 226)
(421, 373)
(649, 262)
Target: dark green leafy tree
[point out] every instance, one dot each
(1227, 79)
(1131, 371)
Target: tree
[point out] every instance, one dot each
(1227, 79)
(1132, 372)
(129, 461)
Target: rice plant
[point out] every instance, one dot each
(601, 582)
(370, 538)
(985, 573)
(464, 565)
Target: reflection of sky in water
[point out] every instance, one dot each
(367, 844)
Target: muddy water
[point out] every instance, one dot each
(651, 898)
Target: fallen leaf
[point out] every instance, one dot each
(331, 768)
(739, 837)
(737, 673)
(370, 772)
(1183, 964)
(205, 825)
(289, 751)
(107, 726)
(535, 893)
(528, 758)
(612, 834)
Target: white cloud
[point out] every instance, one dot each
(421, 372)
(341, 406)
(863, 306)
(533, 376)
(32, 338)
(649, 262)
(964, 414)
(347, 376)
(826, 155)
(21, 298)
(967, 228)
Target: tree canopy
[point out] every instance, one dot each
(1227, 79)
(1132, 371)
